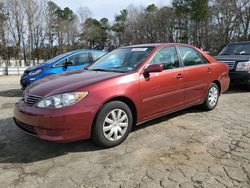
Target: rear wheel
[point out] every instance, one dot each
(112, 125)
(212, 97)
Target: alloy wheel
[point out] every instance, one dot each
(213, 96)
(115, 125)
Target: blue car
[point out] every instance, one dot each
(70, 61)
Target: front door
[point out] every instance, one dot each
(79, 60)
(163, 92)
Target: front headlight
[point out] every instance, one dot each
(35, 72)
(243, 66)
(62, 100)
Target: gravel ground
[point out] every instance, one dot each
(190, 148)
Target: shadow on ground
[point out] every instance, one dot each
(11, 93)
(237, 89)
(18, 147)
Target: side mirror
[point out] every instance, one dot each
(68, 63)
(153, 68)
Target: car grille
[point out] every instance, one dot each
(31, 99)
(230, 64)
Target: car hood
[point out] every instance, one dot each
(232, 57)
(37, 67)
(68, 82)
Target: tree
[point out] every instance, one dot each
(244, 17)
(150, 16)
(95, 33)
(83, 13)
(15, 22)
(120, 25)
(3, 35)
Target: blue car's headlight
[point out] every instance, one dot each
(35, 72)
(62, 100)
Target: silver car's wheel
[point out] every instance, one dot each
(213, 96)
(115, 125)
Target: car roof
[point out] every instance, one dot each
(153, 45)
(85, 50)
(143, 45)
(241, 42)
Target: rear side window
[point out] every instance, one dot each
(167, 57)
(97, 55)
(191, 57)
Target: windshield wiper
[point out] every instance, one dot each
(225, 54)
(242, 54)
(106, 70)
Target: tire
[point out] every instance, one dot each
(212, 97)
(112, 125)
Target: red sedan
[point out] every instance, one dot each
(124, 88)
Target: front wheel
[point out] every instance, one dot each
(112, 125)
(212, 97)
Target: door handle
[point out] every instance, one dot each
(179, 76)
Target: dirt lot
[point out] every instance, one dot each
(190, 148)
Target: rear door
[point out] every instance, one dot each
(197, 72)
(163, 91)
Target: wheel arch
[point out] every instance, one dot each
(217, 82)
(127, 101)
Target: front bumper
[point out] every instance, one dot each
(26, 80)
(239, 78)
(24, 83)
(61, 125)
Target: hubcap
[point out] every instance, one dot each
(115, 125)
(213, 96)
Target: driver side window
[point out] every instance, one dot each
(79, 59)
(167, 57)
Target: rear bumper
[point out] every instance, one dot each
(60, 125)
(240, 78)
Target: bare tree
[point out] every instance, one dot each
(84, 13)
(244, 16)
(15, 22)
(3, 35)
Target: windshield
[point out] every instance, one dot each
(122, 60)
(236, 49)
(56, 58)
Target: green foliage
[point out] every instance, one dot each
(182, 6)
(196, 9)
(95, 32)
(120, 20)
(151, 9)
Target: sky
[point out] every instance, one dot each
(107, 8)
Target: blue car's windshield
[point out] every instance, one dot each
(122, 60)
(56, 58)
